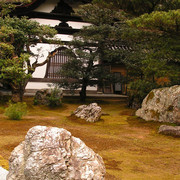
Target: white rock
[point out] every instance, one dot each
(161, 105)
(50, 153)
(90, 113)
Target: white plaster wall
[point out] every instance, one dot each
(41, 51)
(50, 22)
(37, 85)
(78, 25)
(53, 23)
(41, 85)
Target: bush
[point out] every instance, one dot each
(16, 111)
(55, 98)
(35, 101)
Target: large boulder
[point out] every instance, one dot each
(50, 153)
(170, 130)
(161, 105)
(90, 113)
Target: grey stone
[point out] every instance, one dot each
(50, 153)
(170, 130)
(90, 113)
(161, 105)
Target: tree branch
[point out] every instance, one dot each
(51, 54)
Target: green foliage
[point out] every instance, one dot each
(153, 69)
(15, 69)
(96, 15)
(159, 20)
(159, 47)
(7, 7)
(16, 111)
(138, 90)
(6, 50)
(17, 35)
(138, 7)
(55, 98)
(35, 101)
(105, 24)
(22, 32)
(106, 27)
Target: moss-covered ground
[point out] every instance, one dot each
(131, 148)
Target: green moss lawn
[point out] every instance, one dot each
(131, 148)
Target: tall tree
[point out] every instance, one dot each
(163, 46)
(158, 46)
(91, 49)
(83, 69)
(106, 30)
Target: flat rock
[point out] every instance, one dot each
(161, 105)
(170, 130)
(50, 153)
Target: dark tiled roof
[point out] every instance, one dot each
(115, 45)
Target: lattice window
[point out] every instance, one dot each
(55, 63)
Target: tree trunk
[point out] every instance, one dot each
(21, 93)
(83, 93)
(15, 96)
(18, 92)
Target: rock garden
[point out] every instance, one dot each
(116, 144)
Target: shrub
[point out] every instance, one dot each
(35, 101)
(16, 111)
(55, 98)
